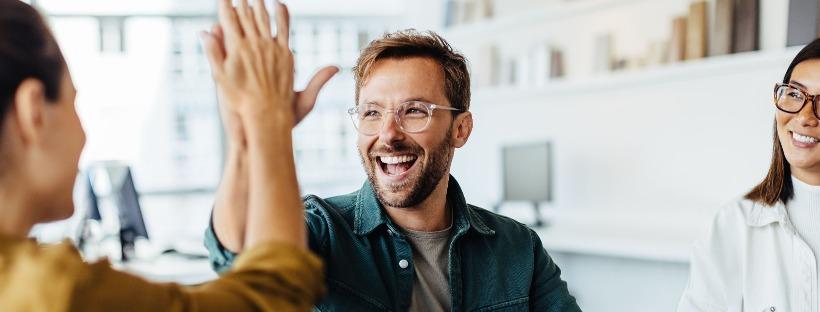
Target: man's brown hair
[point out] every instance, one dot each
(411, 43)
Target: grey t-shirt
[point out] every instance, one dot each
(431, 289)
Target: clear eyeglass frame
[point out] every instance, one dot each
(410, 116)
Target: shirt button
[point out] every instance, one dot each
(403, 264)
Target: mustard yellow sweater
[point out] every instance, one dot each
(269, 277)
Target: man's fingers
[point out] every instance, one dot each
(219, 36)
(243, 10)
(214, 52)
(282, 23)
(217, 32)
(230, 24)
(306, 99)
(260, 13)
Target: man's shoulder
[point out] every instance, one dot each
(501, 225)
(343, 204)
(329, 217)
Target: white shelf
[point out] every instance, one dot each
(170, 268)
(643, 78)
(554, 13)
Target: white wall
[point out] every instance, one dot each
(642, 159)
(683, 138)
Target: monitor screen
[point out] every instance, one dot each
(527, 172)
(131, 220)
(125, 197)
(91, 202)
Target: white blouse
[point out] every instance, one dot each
(753, 259)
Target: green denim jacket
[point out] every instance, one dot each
(496, 263)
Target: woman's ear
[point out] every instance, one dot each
(463, 127)
(28, 108)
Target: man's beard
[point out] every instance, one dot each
(420, 186)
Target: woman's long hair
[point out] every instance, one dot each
(777, 186)
(27, 50)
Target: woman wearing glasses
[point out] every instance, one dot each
(40, 143)
(762, 252)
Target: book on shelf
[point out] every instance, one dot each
(487, 73)
(603, 54)
(817, 24)
(458, 12)
(746, 30)
(677, 43)
(485, 9)
(720, 42)
(802, 22)
(538, 64)
(658, 53)
(619, 64)
(556, 63)
(470, 8)
(696, 31)
(511, 71)
(450, 7)
(495, 65)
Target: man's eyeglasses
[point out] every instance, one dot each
(412, 116)
(791, 99)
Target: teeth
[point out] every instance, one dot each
(392, 160)
(804, 138)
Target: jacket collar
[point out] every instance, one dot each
(763, 215)
(369, 213)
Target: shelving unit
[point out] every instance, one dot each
(646, 78)
(572, 27)
(550, 14)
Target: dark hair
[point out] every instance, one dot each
(27, 50)
(411, 43)
(777, 186)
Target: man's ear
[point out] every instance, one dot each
(28, 107)
(463, 126)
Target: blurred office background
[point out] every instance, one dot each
(637, 119)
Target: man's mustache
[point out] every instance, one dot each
(396, 149)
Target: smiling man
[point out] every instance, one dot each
(408, 240)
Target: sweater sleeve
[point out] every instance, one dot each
(268, 277)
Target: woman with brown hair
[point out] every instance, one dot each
(761, 253)
(40, 143)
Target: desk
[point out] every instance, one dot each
(171, 268)
(607, 262)
(621, 243)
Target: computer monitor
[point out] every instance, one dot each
(527, 171)
(91, 201)
(89, 210)
(125, 197)
(132, 225)
(527, 175)
(118, 199)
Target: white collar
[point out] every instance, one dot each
(762, 214)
